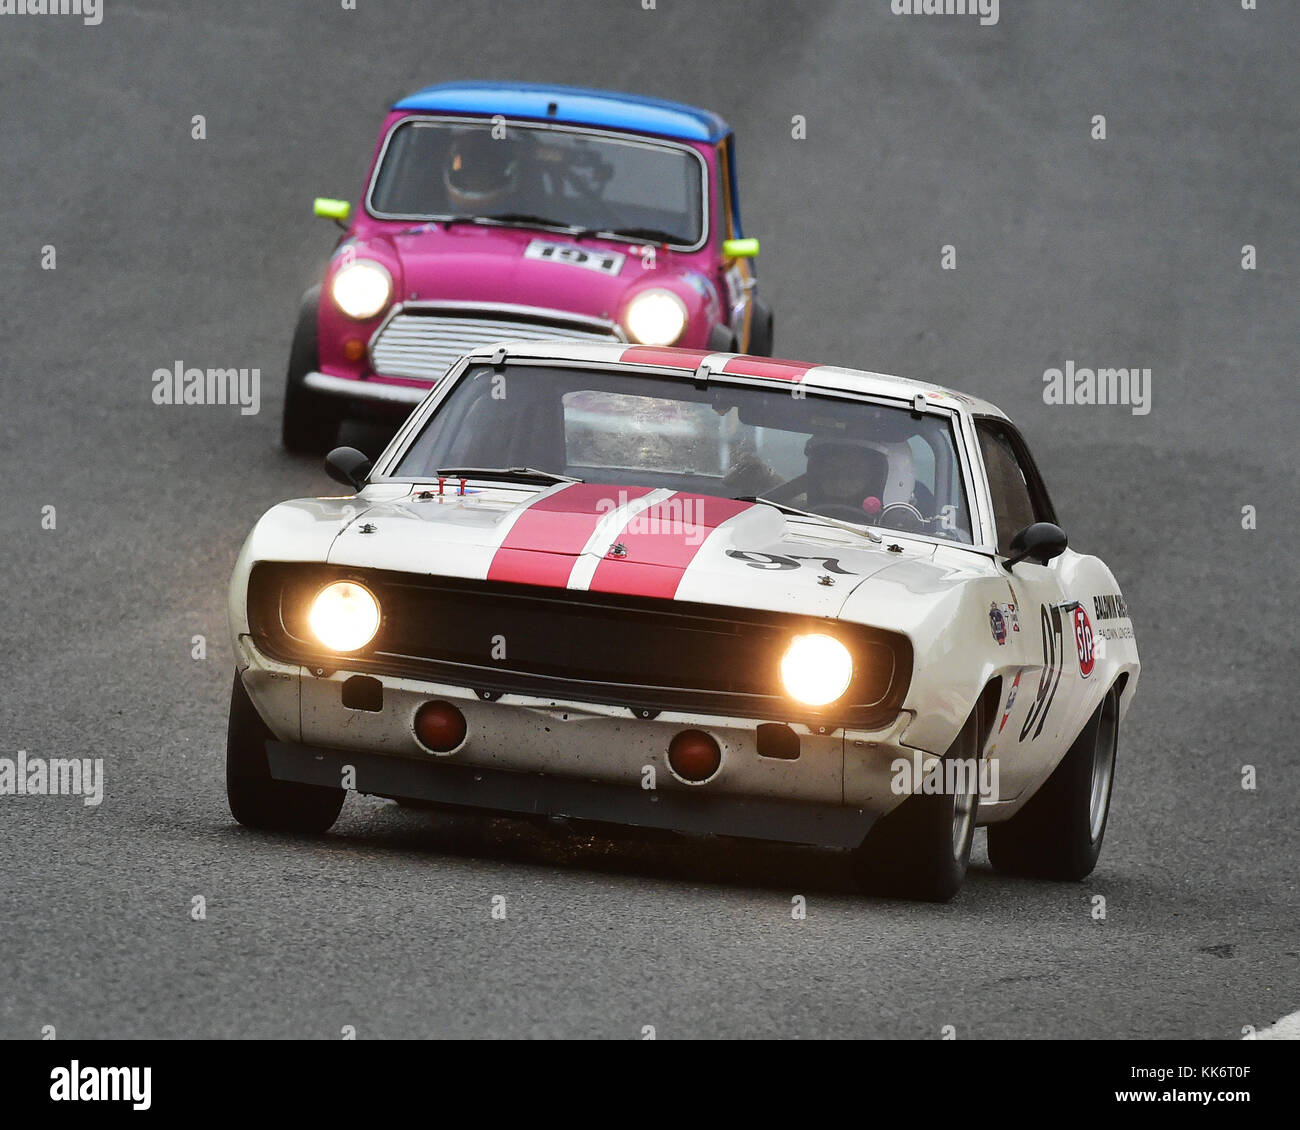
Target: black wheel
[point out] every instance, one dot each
(760, 329)
(722, 340)
(310, 424)
(1058, 833)
(921, 849)
(258, 800)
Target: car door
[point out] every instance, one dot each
(1039, 700)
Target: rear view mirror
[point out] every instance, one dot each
(348, 466)
(336, 210)
(739, 248)
(1040, 543)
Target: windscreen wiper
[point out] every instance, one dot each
(785, 509)
(531, 473)
(443, 221)
(529, 218)
(654, 235)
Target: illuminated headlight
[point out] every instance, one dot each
(816, 669)
(344, 616)
(362, 289)
(656, 317)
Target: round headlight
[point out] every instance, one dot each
(362, 289)
(656, 317)
(816, 669)
(344, 616)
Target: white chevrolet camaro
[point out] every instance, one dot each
(709, 593)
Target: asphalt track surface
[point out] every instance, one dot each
(921, 132)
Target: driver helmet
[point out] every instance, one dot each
(853, 472)
(845, 472)
(481, 171)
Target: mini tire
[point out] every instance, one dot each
(761, 329)
(256, 799)
(1059, 832)
(310, 423)
(921, 849)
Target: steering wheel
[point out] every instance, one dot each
(902, 516)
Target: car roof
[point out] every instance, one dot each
(684, 361)
(572, 105)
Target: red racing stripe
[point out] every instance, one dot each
(661, 543)
(544, 543)
(664, 356)
(772, 367)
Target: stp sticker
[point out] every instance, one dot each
(606, 262)
(998, 623)
(1083, 640)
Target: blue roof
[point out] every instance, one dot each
(573, 105)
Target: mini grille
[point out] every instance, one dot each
(425, 346)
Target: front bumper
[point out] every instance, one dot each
(501, 790)
(375, 392)
(587, 761)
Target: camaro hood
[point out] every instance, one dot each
(601, 538)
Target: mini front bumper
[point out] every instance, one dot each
(376, 392)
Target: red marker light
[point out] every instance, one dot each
(439, 726)
(694, 756)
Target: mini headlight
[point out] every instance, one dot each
(344, 616)
(362, 289)
(816, 669)
(656, 317)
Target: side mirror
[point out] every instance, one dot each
(336, 210)
(348, 466)
(739, 248)
(1040, 542)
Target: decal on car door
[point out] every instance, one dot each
(1052, 618)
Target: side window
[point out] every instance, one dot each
(1013, 504)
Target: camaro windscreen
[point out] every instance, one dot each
(844, 459)
(567, 178)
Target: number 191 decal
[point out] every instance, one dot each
(606, 262)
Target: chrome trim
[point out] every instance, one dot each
(706, 199)
(454, 329)
(541, 313)
(979, 485)
(363, 390)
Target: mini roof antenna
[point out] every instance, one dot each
(552, 108)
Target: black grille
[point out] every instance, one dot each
(645, 654)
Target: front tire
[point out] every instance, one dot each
(1058, 833)
(256, 799)
(921, 849)
(310, 424)
(761, 329)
